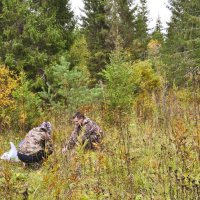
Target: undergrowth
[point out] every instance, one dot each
(138, 161)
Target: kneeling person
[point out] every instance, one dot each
(37, 144)
(92, 133)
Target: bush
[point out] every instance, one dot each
(126, 81)
(147, 83)
(28, 109)
(8, 83)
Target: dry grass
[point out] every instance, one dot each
(153, 159)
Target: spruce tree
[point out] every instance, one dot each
(96, 31)
(157, 33)
(141, 31)
(64, 16)
(181, 52)
(32, 37)
(122, 17)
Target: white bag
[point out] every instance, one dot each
(11, 155)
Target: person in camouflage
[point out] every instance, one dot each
(92, 133)
(37, 144)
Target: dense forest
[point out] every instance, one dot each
(142, 86)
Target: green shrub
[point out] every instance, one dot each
(68, 88)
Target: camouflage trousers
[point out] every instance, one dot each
(35, 158)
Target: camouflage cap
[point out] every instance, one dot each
(46, 126)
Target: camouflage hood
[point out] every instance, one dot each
(46, 126)
(37, 139)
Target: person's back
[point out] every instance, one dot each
(37, 144)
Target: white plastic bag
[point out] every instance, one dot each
(11, 155)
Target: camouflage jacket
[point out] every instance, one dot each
(36, 140)
(92, 133)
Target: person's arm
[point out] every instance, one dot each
(49, 146)
(72, 140)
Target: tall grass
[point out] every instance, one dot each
(152, 155)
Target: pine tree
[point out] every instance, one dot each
(68, 88)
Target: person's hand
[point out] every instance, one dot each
(64, 150)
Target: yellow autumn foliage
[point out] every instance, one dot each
(8, 82)
(153, 47)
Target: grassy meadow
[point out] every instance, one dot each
(147, 155)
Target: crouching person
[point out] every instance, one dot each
(37, 144)
(92, 133)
